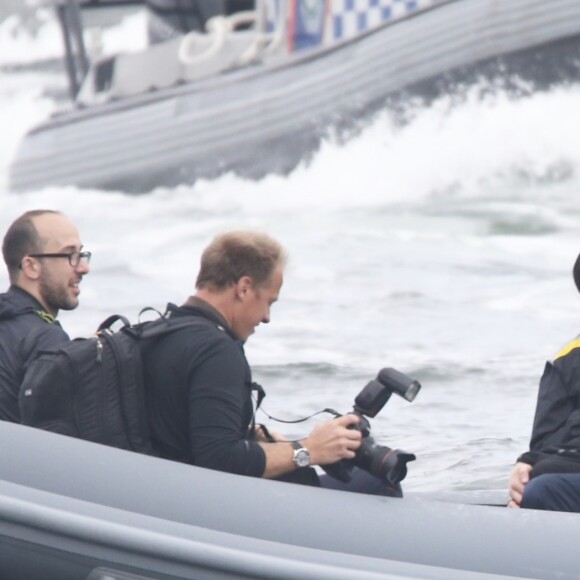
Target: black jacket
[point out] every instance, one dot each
(557, 420)
(199, 395)
(25, 329)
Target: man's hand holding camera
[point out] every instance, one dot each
(328, 443)
(332, 441)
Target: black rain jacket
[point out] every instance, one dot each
(556, 427)
(199, 394)
(25, 329)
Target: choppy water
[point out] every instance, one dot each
(442, 247)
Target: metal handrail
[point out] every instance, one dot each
(76, 60)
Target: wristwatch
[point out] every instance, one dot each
(301, 455)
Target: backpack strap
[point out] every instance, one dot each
(149, 329)
(108, 323)
(162, 326)
(150, 309)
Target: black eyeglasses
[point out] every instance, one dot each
(74, 258)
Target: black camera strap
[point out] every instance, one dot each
(258, 394)
(289, 421)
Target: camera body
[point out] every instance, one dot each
(389, 465)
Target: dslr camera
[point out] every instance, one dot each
(389, 465)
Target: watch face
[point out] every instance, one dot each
(302, 457)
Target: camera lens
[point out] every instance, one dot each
(389, 465)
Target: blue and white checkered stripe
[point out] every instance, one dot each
(352, 17)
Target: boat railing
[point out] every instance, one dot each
(77, 61)
(76, 58)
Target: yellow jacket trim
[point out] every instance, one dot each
(568, 348)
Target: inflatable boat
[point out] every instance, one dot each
(71, 509)
(256, 91)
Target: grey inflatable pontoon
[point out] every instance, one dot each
(70, 509)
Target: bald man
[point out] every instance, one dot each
(46, 263)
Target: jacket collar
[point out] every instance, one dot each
(17, 301)
(195, 306)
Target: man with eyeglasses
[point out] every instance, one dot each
(46, 263)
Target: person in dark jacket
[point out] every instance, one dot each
(46, 263)
(199, 383)
(548, 475)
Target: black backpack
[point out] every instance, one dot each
(93, 388)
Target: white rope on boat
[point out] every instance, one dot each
(217, 30)
(220, 30)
